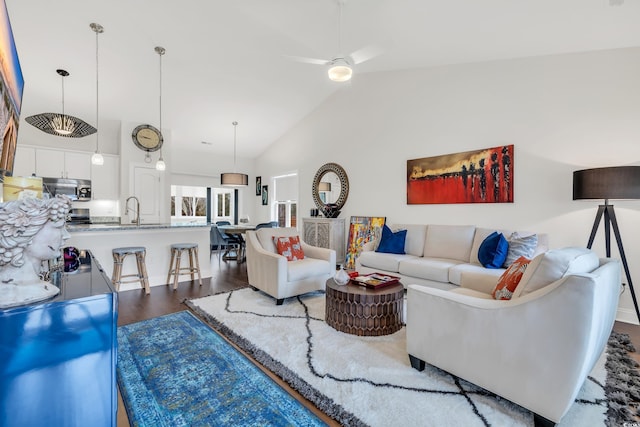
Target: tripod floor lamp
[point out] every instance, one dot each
(621, 182)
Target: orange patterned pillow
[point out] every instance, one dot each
(289, 247)
(509, 280)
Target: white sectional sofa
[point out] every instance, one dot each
(436, 255)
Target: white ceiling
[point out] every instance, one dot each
(226, 60)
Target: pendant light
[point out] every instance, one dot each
(96, 158)
(160, 164)
(234, 179)
(61, 124)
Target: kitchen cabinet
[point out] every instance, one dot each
(24, 163)
(105, 179)
(63, 164)
(326, 233)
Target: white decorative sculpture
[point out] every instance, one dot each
(31, 231)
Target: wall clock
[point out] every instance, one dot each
(147, 138)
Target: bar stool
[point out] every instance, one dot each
(174, 265)
(119, 254)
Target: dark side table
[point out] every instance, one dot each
(357, 310)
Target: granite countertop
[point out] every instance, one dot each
(132, 227)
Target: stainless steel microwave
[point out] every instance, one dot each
(77, 189)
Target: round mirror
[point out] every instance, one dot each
(330, 189)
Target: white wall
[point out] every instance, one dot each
(562, 113)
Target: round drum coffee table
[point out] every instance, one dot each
(357, 310)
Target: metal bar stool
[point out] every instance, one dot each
(174, 265)
(119, 254)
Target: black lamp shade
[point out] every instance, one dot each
(621, 182)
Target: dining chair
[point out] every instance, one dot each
(235, 238)
(220, 241)
(265, 225)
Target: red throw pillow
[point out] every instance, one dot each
(289, 247)
(509, 280)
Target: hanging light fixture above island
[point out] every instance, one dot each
(160, 164)
(97, 158)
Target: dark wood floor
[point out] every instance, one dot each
(135, 306)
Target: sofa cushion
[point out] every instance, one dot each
(427, 268)
(449, 241)
(306, 268)
(289, 247)
(478, 238)
(455, 272)
(521, 246)
(550, 266)
(382, 261)
(414, 242)
(510, 279)
(493, 250)
(390, 242)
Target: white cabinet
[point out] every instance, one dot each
(105, 179)
(25, 161)
(326, 233)
(63, 164)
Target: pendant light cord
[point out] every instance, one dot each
(160, 98)
(62, 75)
(235, 129)
(340, 27)
(97, 30)
(160, 51)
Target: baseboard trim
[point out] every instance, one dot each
(627, 315)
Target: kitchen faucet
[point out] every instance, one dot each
(136, 210)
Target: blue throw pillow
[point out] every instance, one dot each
(392, 243)
(493, 250)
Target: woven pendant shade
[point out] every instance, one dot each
(61, 124)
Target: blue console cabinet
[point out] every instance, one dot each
(58, 357)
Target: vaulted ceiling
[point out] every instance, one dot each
(227, 60)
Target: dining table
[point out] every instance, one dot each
(237, 230)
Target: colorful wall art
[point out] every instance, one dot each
(481, 176)
(11, 88)
(362, 229)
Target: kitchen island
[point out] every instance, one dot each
(157, 238)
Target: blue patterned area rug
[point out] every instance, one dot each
(176, 371)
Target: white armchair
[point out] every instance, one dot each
(536, 349)
(274, 275)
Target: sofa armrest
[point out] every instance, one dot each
(478, 282)
(319, 253)
(265, 270)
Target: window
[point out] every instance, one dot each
(285, 200)
(223, 204)
(188, 203)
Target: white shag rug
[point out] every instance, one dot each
(368, 380)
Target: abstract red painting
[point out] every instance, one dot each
(481, 176)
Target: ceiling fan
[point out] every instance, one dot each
(340, 67)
